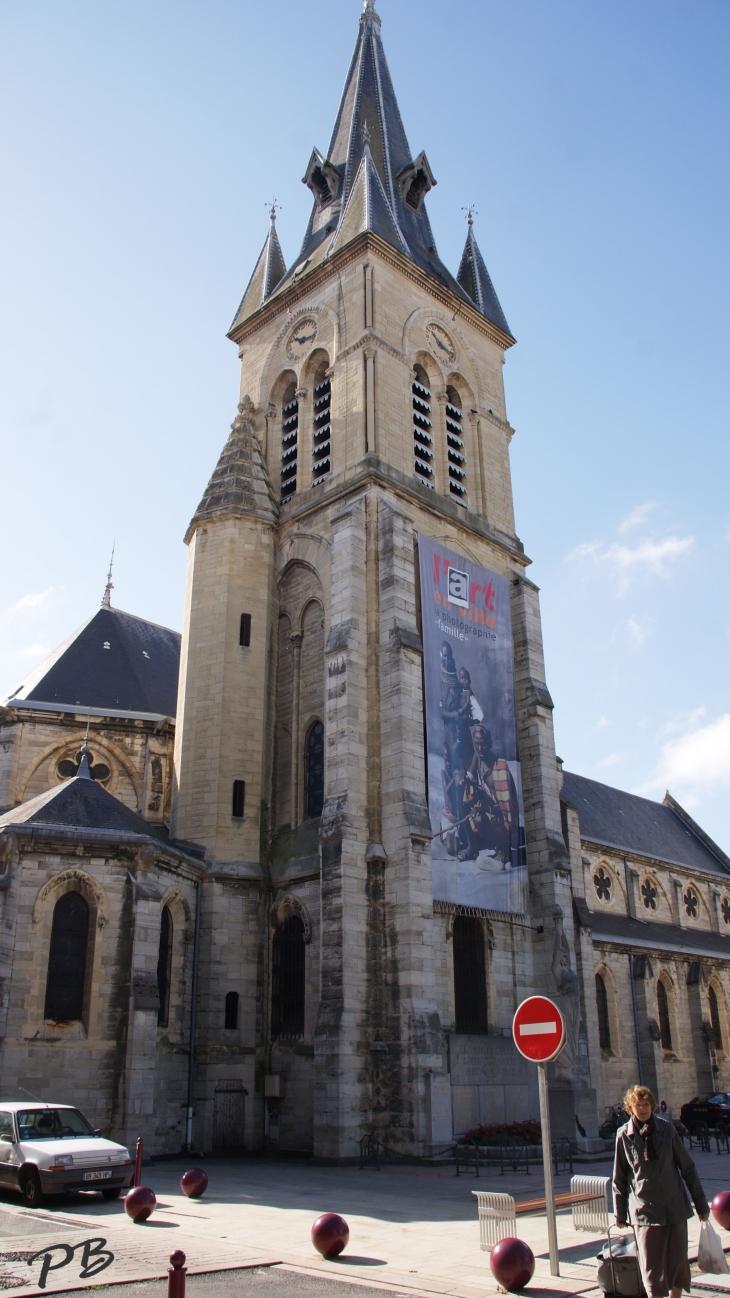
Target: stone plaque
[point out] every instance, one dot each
(486, 1061)
(146, 994)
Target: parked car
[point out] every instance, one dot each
(51, 1149)
(709, 1109)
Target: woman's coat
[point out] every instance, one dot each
(654, 1189)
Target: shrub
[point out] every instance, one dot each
(499, 1133)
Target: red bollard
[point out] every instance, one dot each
(137, 1180)
(176, 1275)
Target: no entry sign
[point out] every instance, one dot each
(538, 1029)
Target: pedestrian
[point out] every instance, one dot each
(653, 1179)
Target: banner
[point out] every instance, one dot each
(474, 782)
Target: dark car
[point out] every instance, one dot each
(709, 1109)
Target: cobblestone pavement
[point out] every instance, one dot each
(413, 1230)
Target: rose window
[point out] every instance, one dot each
(69, 766)
(725, 908)
(648, 892)
(690, 903)
(602, 885)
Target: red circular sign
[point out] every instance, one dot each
(538, 1029)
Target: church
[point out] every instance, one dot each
(282, 882)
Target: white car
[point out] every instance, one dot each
(51, 1149)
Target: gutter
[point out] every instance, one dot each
(193, 1017)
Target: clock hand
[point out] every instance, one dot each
(305, 339)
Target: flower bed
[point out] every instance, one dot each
(503, 1133)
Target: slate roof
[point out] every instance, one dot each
(369, 119)
(614, 818)
(476, 280)
(653, 936)
(269, 270)
(240, 483)
(81, 803)
(115, 661)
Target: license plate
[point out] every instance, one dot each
(97, 1176)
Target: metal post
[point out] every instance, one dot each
(138, 1155)
(193, 1010)
(547, 1163)
(176, 1275)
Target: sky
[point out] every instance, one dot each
(140, 143)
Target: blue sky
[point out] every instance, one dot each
(139, 144)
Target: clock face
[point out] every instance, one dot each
(445, 349)
(301, 339)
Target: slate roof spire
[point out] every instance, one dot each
(474, 278)
(106, 599)
(240, 485)
(268, 271)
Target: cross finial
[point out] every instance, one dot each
(106, 601)
(273, 207)
(471, 212)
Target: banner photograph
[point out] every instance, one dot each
(474, 784)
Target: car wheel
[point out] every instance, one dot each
(30, 1185)
(112, 1194)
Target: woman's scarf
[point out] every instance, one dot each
(648, 1132)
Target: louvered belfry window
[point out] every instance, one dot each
(287, 981)
(289, 443)
(321, 443)
(67, 959)
(422, 429)
(455, 445)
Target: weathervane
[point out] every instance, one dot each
(471, 212)
(273, 207)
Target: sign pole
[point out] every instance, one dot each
(547, 1162)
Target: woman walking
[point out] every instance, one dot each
(652, 1175)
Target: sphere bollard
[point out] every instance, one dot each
(176, 1275)
(194, 1183)
(512, 1263)
(140, 1203)
(330, 1234)
(720, 1208)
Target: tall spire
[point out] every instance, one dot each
(269, 270)
(240, 484)
(474, 278)
(106, 599)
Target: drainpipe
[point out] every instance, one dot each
(630, 908)
(193, 1011)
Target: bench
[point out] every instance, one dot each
(588, 1197)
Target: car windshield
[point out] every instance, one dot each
(721, 1098)
(51, 1124)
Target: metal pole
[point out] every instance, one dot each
(193, 1009)
(138, 1156)
(547, 1162)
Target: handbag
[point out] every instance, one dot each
(618, 1270)
(710, 1256)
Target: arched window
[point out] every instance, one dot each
(314, 770)
(715, 1018)
(67, 959)
(287, 983)
(321, 443)
(665, 1026)
(455, 446)
(231, 1020)
(470, 975)
(422, 434)
(604, 1028)
(289, 442)
(164, 967)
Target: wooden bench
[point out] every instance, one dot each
(588, 1197)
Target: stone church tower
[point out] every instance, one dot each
(372, 408)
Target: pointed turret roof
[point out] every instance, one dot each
(369, 179)
(474, 278)
(239, 485)
(269, 270)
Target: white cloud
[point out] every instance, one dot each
(683, 721)
(636, 630)
(32, 600)
(602, 722)
(647, 557)
(613, 759)
(637, 516)
(38, 651)
(696, 762)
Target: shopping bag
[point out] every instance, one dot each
(710, 1257)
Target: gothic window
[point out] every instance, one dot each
(691, 903)
(715, 1019)
(321, 439)
(67, 959)
(287, 982)
(470, 976)
(665, 1027)
(69, 766)
(244, 634)
(602, 884)
(231, 1019)
(289, 442)
(164, 967)
(604, 1028)
(725, 908)
(455, 446)
(314, 770)
(422, 434)
(238, 800)
(648, 892)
